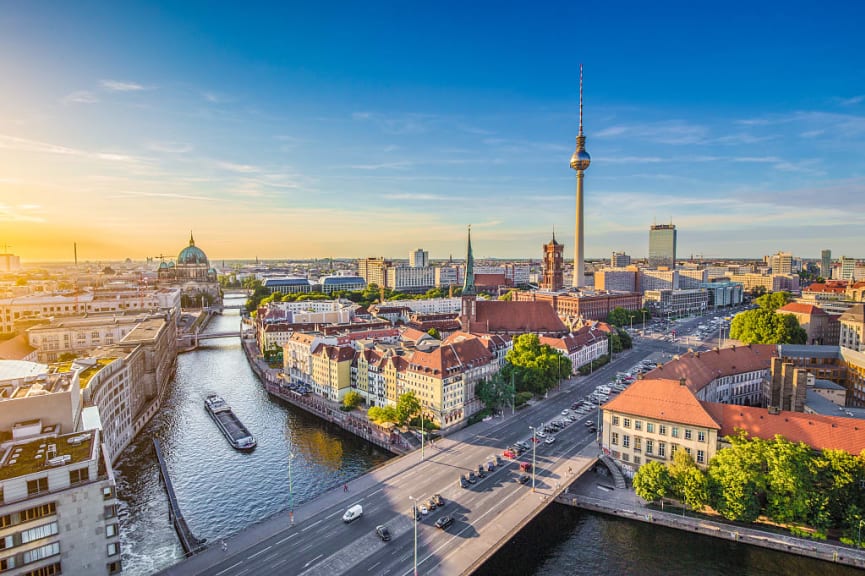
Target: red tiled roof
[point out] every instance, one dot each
(701, 368)
(663, 400)
(817, 431)
(514, 317)
(835, 289)
(490, 280)
(799, 308)
(450, 358)
(576, 340)
(412, 334)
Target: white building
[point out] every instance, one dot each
(410, 279)
(418, 258)
(659, 280)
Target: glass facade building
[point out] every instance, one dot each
(662, 245)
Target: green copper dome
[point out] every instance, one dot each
(192, 254)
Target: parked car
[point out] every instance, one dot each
(472, 478)
(523, 479)
(463, 482)
(431, 504)
(481, 473)
(525, 466)
(444, 522)
(437, 498)
(550, 440)
(491, 466)
(423, 509)
(382, 532)
(509, 454)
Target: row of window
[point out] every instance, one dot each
(650, 447)
(30, 556)
(28, 514)
(40, 485)
(29, 535)
(662, 428)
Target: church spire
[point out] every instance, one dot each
(191, 239)
(469, 284)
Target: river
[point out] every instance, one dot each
(221, 491)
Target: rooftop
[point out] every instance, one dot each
(664, 400)
(21, 369)
(32, 457)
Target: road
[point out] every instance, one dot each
(321, 543)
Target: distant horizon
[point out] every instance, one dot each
(299, 128)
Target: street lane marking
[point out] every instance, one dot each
(376, 492)
(370, 569)
(312, 525)
(313, 560)
(260, 552)
(235, 565)
(332, 515)
(287, 538)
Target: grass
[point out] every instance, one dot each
(29, 461)
(85, 375)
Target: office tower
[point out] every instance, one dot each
(580, 162)
(662, 245)
(418, 258)
(848, 266)
(553, 279)
(826, 264)
(781, 263)
(620, 260)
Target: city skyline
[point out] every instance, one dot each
(288, 131)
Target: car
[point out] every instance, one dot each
(540, 435)
(575, 405)
(417, 515)
(523, 479)
(423, 509)
(472, 478)
(383, 533)
(525, 466)
(589, 423)
(463, 482)
(565, 412)
(481, 473)
(490, 466)
(550, 440)
(431, 504)
(438, 500)
(593, 429)
(509, 454)
(444, 522)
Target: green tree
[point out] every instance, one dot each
(764, 326)
(619, 317)
(352, 400)
(737, 479)
(434, 333)
(534, 367)
(788, 480)
(615, 342)
(695, 488)
(495, 392)
(407, 406)
(652, 482)
(773, 300)
(679, 467)
(382, 414)
(625, 338)
(836, 495)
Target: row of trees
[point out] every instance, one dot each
(785, 482)
(763, 325)
(620, 317)
(534, 367)
(407, 407)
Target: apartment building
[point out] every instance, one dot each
(583, 345)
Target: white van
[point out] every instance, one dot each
(353, 513)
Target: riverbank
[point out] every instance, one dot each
(596, 493)
(392, 441)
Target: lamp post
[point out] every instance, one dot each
(421, 434)
(534, 443)
(414, 515)
(290, 491)
(859, 535)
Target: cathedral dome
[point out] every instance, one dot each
(192, 254)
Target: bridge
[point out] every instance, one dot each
(315, 541)
(214, 335)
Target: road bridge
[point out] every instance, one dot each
(486, 515)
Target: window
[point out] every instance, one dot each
(673, 448)
(50, 570)
(114, 567)
(625, 456)
(649, 446)
(42, 552)
(638, 424)
(39, 532)
(687, 451)
(614, 438)
(37, 512)
(79, 476)
(701, 436)
(638, 444)
(615, 420)
(687, 433)
(110, 511)
(650, 427)
(626, 422)
(113, 548)
(37, 486)
(701, 457)
(626, 441)
(111, 531)
(662, 429)
(674, 432)
(637, 460)
(5, 520)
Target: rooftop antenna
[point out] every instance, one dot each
(581, 99)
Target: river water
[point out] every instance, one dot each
(221, 491)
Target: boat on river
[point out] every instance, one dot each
(232, 428)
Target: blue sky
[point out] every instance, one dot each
(356, 129)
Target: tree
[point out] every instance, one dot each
(788, 480)
(495, 392)
(407, 405)
(625, 338)
(652, 482)
(434, 333)
(615, 342)
(688, 483)
(352, 400)
(382, 414)
(763, 326)
(737, 479)
(773, 301)
(534, 367)
(619, 317)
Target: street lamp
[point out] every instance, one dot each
(421, 434)
(290, 491)
(859, 536)
(414, 515)
(534, 443)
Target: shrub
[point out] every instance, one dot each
(522, 397)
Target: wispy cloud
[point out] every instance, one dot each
(398, 123)
(80, 97)
(666, 132)
(170, 147)
(853, 101)
(169, 195)
(19, 213)
(383, 166)
(120, 86)
(413, 196)
(239, 168)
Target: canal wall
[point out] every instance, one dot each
(391, 441)
(781, 542)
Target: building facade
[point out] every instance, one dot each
(662, 246)
(619, 260)
(554, 266)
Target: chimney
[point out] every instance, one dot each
(682, 381)
(774, 410)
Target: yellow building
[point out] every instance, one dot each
(331, 371)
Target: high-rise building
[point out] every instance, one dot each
(620, 260)
(9, 263)
(848, 268)
(826, 264)
(580, 162)
(418, 258)
(554, 266)
(374, 270)
(662, 246)
(781, 263)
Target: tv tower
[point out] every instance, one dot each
(579, 162)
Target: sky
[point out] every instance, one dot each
(354, 129)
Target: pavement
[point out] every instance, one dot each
(316, 541)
